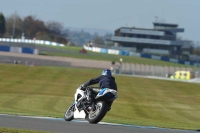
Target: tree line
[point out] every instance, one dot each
(30, 27)
(82, 37)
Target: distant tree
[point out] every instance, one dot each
(108, 36)
(14, 26)
(79, 37)
(43, 36)
(98, 40)
(54, 27)
(60, 39)
(57, 31)
(82, 37)
(31, 26)
(2, 24)
(196, 50)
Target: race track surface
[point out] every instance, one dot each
(59, 125)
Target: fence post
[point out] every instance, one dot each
(163, 71)
(168, 71)
(125, 68)
(153, 70)
(134, 68)
(174, 68)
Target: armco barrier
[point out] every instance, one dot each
(121, 52)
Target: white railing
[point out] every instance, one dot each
(30, 41)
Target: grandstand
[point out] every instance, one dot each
(161, 40)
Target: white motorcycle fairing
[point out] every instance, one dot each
(105, 93)
(79, 114)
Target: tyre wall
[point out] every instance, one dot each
(26, 50)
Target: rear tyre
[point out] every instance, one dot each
(97, 115)
(69, 115)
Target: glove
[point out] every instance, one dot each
(83, 87)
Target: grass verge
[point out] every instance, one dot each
(12, 130)
(73, 51)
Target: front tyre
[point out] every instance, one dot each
(69, 115)
(97, 115)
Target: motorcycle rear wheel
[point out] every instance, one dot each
(69, 115)
(97, 115)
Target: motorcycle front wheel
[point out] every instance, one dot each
(97, 115)
(69, 115)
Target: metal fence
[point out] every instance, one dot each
(152, 70)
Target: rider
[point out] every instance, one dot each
(106, 80)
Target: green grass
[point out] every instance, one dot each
(73, 51)
(48, 91)
(12, 130)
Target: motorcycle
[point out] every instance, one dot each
(94, 112)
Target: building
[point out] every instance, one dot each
(161, 40)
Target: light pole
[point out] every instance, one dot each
(13, 30)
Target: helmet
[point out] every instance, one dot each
(107, 72)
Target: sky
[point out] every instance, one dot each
(111, 14)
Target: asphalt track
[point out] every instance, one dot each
(59, 125)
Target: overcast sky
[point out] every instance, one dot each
(111, 14)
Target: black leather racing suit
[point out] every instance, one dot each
(104, 81)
